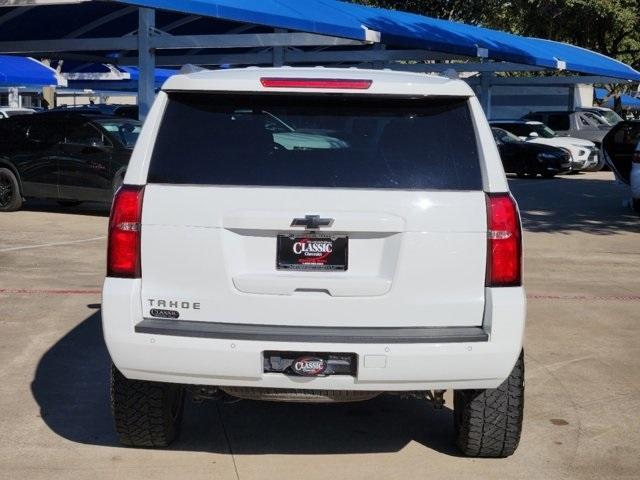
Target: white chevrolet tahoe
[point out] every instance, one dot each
(372, 249)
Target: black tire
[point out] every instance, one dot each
(635, 203)
(69, 203)
(146, 414)
(10, 195)
(488, 422)
(521, 169)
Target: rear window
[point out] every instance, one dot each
(126, 131)
(342, 141)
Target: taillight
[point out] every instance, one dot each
(504, 242)
(123, 253)
(339, 83)
(636, 157)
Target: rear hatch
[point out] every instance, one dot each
(315, 210)
(619, 145)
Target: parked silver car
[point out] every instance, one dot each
(582, 124)
(609, 116)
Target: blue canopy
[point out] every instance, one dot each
(627, 100)
(161, 73)
(328, 17)
(332, 17)
(25, 72)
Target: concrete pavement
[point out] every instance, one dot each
(582, 253)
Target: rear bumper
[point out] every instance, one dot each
(303, 334)
(477, 358)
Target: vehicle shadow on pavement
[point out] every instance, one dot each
(581, 204)
(89, 208)
(71, 388)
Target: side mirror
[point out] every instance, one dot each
(533, 135)
(98, 144)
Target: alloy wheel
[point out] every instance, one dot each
(6, 190)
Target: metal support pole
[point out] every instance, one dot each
(278, 52)
(278, 56)
(380, 64)
(571, 94)
(146, 61)
(485, 92)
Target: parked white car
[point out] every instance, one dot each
(6, 112)
(584, 153)
(391, 263)
(577, 124)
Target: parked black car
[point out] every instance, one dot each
(526, 158)
(67, 156)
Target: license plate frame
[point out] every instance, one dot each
(335, 363)
(308, 252)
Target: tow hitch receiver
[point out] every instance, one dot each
(436, 397)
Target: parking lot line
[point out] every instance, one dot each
(32, 291)
(53, 244)
(617, 298)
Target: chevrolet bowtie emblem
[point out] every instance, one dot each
(312, 222)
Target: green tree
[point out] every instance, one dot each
(475, 12)
(611, 27)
